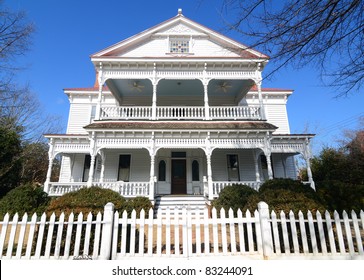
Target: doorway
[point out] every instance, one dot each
(178, 174)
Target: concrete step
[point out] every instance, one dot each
(193, 204)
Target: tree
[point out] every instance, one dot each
(10, 159)
(327, 33)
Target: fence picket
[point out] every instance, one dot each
(68, 236)
(150, 232)
(321, 232)
(312, 233)
(132, 232)
(339, 232)
(303, 232)
(86, 243)
(241, 231)
(76, 251)
(96, 245)
(292, 222)
(184, 233)
(287, 250)
(348, 232)
(23, 227)
(215, 236)
(189, 232)
(50, 235)
(206, 232)
(159, 233)
(168, 232)
(250, 231)
(330, 232)
(4, 229)
(31, 236)
(198, 234)
(258, 232)
(359, 242)
(176, 232)
(57, 248)
(223, 230)
(277, 243)
(141, 232)
(232, 231)
(14, 225)
(124, 232)
(40, 236)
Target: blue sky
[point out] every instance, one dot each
(69, 31)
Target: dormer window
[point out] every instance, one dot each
(179, 45)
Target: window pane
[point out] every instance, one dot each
(195, 171)
(86, 168)
(233, 167)
(162, 171)
(124, 168)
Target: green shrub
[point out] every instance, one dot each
(138, 203)
(235, 197)
(86, 200)
(341, 196)
(287, 194)
(24, 199)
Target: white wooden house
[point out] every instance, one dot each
(176, 109)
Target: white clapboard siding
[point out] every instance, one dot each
(115, 235)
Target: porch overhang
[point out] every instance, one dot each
(181, 125)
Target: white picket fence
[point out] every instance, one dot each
(113, 235)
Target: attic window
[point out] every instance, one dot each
(179, 45)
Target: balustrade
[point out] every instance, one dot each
(126, 189)
(182, 113)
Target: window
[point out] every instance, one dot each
(86, 168)
(195, 171)
(179, 46)
(162, 171)
(93, 113)
(124, 168)
(178, 154)
(233, 168)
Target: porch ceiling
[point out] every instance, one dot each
(140, 91)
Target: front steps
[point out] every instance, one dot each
(195, 204)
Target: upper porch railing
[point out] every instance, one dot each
(181, 113)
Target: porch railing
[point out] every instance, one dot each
(181, 113)
(126, 189)
(217, 187)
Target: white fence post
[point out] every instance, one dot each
(265, 227)
(107, 230)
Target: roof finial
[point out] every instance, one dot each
(180, 11)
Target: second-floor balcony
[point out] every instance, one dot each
(181, 113)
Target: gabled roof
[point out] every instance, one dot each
(179, 24)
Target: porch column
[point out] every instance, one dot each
(256, 165)
(92, 170)
(50, 165)
(102, 171)
(258, 83)
(154, 101)
(209, 175)
(99, 98)
(307, 157)
(152, 176)
(269, 165)
(205, 83)
(268, 153)
(92, 163)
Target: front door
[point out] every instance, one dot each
(178, 176)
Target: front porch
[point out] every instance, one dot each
(187, 165)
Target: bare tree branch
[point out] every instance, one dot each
(326, 33)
